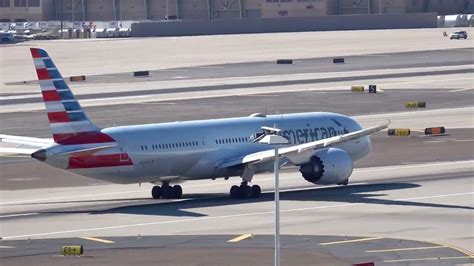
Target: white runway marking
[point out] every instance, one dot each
(209, 67)
(25, 96)
(361, 170)
(462, 90)
(18, 215)
(24, 179)
(222, 217)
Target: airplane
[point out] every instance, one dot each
(323, 145)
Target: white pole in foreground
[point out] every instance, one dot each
(275, 140)
(277, 209)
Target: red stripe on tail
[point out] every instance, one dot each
(35, 53)
(43, 74)
(51, 96)
(58, 117)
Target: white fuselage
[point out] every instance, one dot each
(181, 151)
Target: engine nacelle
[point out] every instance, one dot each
(328, 166)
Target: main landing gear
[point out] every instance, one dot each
(167, 192)
(345, 183)
(245, 191)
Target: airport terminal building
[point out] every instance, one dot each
(204, 10)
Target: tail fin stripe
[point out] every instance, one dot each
(38, 53)
(66, 95)
(58, 117)
(49, 63)
(55, 107)
(60, 84)
(54, 74)
(47, 85)
(39, 63)
(70, 127)
(42, 74)
(72, 106)
(76, 116)
(51, 96)
(46, 63)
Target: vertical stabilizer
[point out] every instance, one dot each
(68, 122)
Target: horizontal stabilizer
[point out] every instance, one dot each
(14, 152)
(28, 141)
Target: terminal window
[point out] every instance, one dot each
(4, 3)
(20, 2)
(33, 2)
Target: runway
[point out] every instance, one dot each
(384, 202)
(409, 203)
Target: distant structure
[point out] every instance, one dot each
(205, 10)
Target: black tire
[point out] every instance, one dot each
(234, 192)
(245, 192)
(177, 191)
(156, 192)
(167, 192)
(256, 191)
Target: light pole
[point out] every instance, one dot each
(276, 140)
(380, 7)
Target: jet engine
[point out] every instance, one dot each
(328, 166)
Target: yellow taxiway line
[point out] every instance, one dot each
(240, 238)
(98, 239)
(350, 241)
(404, 249)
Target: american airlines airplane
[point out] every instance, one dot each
(323, 145)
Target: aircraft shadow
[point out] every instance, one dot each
(360, 194)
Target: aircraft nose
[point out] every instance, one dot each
(39, 155)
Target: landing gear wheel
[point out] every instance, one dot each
(167, 192)
(234, 192)
(345, 183)
(245, 192)
(255, 191)
(177, 191)
(156, 192)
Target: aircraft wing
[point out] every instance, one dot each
(302, 153)
(27, 141)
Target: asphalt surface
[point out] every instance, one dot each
(408, 203)
(253, 250)
(455, 57)
(344, 102)
(451, 57)
(372, 219)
